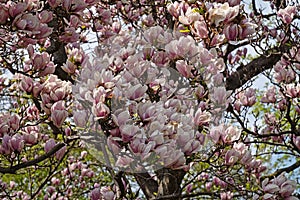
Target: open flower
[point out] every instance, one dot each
(287, 14)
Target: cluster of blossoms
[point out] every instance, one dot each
(279, 186)
(225, 16)
(151, 98)
(156, 122)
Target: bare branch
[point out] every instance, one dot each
(281, 170)
(14, 169)
(252, 69)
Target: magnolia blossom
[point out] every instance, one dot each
(80, 118)
(247, 97)
(292, 90)
(59, 113)
(189, 16)
(184, 68)
(124, 161)
(287, 14)
(223, 13)
(279, 185)
(269, 96)
(174, 9)
(219, 96)
(202, 117)
(3, 14)
(231, 134)
(17, 8)
(231, 157)
(49, 145)
(200, 29)
(100, 110)
(231, 31)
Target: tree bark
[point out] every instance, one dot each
(148, 185)
(247, 72)
(169, 182)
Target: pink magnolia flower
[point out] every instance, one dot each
(77, 5)
(247, 30)
(202, 117)
(219, 96)
(3, 14)
(128, 132)
(247, 97)
(60, 153)
(120, 118)
(66, 4)
(43, 31)
(297, 141)
(70, 35)
(231, 134)
(284, 73)
(100, 110)
(116, 27)
(161, 59)
(140, 148)
(147, 111)
(59, 113)
(26, 84)
(69, 67)
(200, 29)
(223, 13)
(45, 16)
(231, 31)
(96, 194)
(55, 181)
(287, 188)
(216, 133)
(107, 193)
(287, 14)
(153, 34)
(174, 9)
(124, 161)
(30, 139)
(80, 118)
(37, 88)
(246, 158)
(226, 195)
(293, 90)
(208, 185)
(269, 96)
(113, 145)
(189, 16)
(54, 3)
(234, 2)
(17, 143)
(192, 146)
(184, 68)
(14, 122)
(136, 92)
(27, 22)
(16, 9)
(40, 61)
(231, 157)
(181, 48)
(49, 145)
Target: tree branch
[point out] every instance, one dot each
(148, 185)
(285, 169)
(247, 72)
(14, 169)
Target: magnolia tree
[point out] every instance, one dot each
(150, 99)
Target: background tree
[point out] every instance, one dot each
(163, 108)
